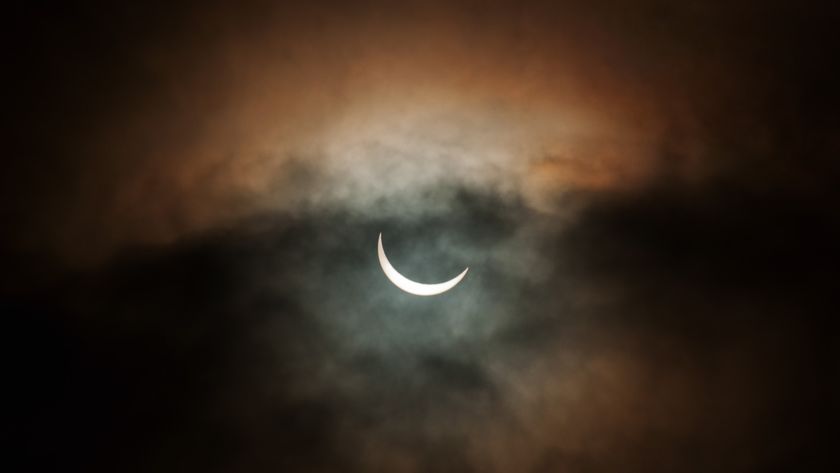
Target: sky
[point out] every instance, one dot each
(644, 192)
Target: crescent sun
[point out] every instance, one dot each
(411, 287)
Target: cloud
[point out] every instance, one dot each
(649, 229)
(181, 132)
(654, 338)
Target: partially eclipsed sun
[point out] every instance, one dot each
(411, 287)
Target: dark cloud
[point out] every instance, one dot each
(673, 330)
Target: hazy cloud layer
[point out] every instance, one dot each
(140, 125)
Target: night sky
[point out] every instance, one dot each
(647, 194)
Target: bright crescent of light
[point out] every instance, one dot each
(411, 287)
